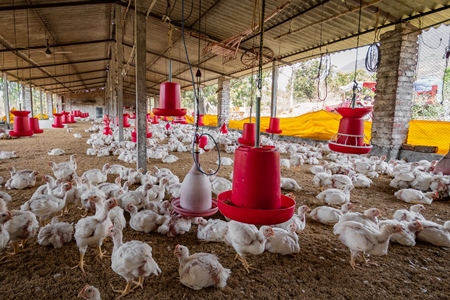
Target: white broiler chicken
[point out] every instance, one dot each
(55, 233)
(116, 216)
(219, 184)
(5, 216)
(434, 233)
(159, 191)
(335, 196)
(137, 197)
(408, 235)
(97, 176)
(247, 239)
(112, 189)
(369, 218)
(21, 227)
(338, 181)
(93, 230)
(200, 270)
(65, 170)
(361, 181)
(89, 292)
(329, 215)
(161, 208)
(298, 219)
(169, 159)
(144, 220)
(320, 178)
(175, 225)
(20, 181)
(56, 151)
(160, 172)
(131, 260)
(413, 214)
(416, 196)
(289, 184)
(361, 239)
(284, 241)
(225, 161)
(212, 230)
(87, 190)
(43, 206)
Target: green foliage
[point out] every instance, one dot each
(446, 84)
(432, 111)
(207, 93)
(305, 85)
(244, 90)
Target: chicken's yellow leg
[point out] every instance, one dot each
(126, 291)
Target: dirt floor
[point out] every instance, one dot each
(320, 271)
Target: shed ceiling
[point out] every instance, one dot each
(81, 35)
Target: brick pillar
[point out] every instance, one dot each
(392, 105)
(49, 100)
(223, 100)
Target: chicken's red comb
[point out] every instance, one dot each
(84, 288)
(176, 247)
(110, 227)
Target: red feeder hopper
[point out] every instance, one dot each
(247, 202)
(125, 121)
(65, 117)
(179, 120)
(169, 100)
(248, 135)
(200, 120)
(224, 129)
(350, 137)
(155, 120)
(34, 125)
(57, 121)
(274, 126)
(21, 123)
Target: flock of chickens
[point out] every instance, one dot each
(142, 201)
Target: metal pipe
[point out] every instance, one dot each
(257, 122)
(273, 99)
(170, 70)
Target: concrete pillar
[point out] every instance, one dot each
(6, 98)
(223, 100)
(141, 84)
(156, 101)
(119, 64)
(392, 105)
(28, 99)
(49, 100)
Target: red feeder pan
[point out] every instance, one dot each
(169, 100)
(166, 119)
(350, 136)
(21, 123)
(179, 120)
(34, 125)
(248, 135)
(274, 126)
(57, 121)
(224, 129)
(247, 202)
(71, 118)
(125, 121)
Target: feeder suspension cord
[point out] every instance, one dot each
(355, 83)
(322, 74)
(196, 135)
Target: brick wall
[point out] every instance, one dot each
(392, 105)
(223, 100)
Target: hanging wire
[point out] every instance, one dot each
(323, 73)
(373, 55)
(197, 136)
(355, 83)
(256, 10)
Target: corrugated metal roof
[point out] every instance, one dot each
(81, 37)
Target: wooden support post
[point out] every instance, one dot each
(119, 56)
(141, 97)
(40, 99)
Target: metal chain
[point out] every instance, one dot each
(261, 44)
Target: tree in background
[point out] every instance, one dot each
(207, 101)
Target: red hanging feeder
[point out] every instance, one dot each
(34, 125)
(21, 123)
(247, 202)
(125, 120)
(200, 120)
(224, 129)
(248, 135)
(57, 121)
(274, 126)
(169, 100)
(155, 120)
(179, 120)
(134, 134)
(350, 137)
(65, 117)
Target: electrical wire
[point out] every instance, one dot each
(197, 136)
(373, 57)
(322, 74)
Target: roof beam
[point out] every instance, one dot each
(61, 75)
(100, 83)
(57, 45)
(58, 64)
(72, 81)
(83, 89)
(55, 4)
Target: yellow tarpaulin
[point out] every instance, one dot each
(429, 133)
